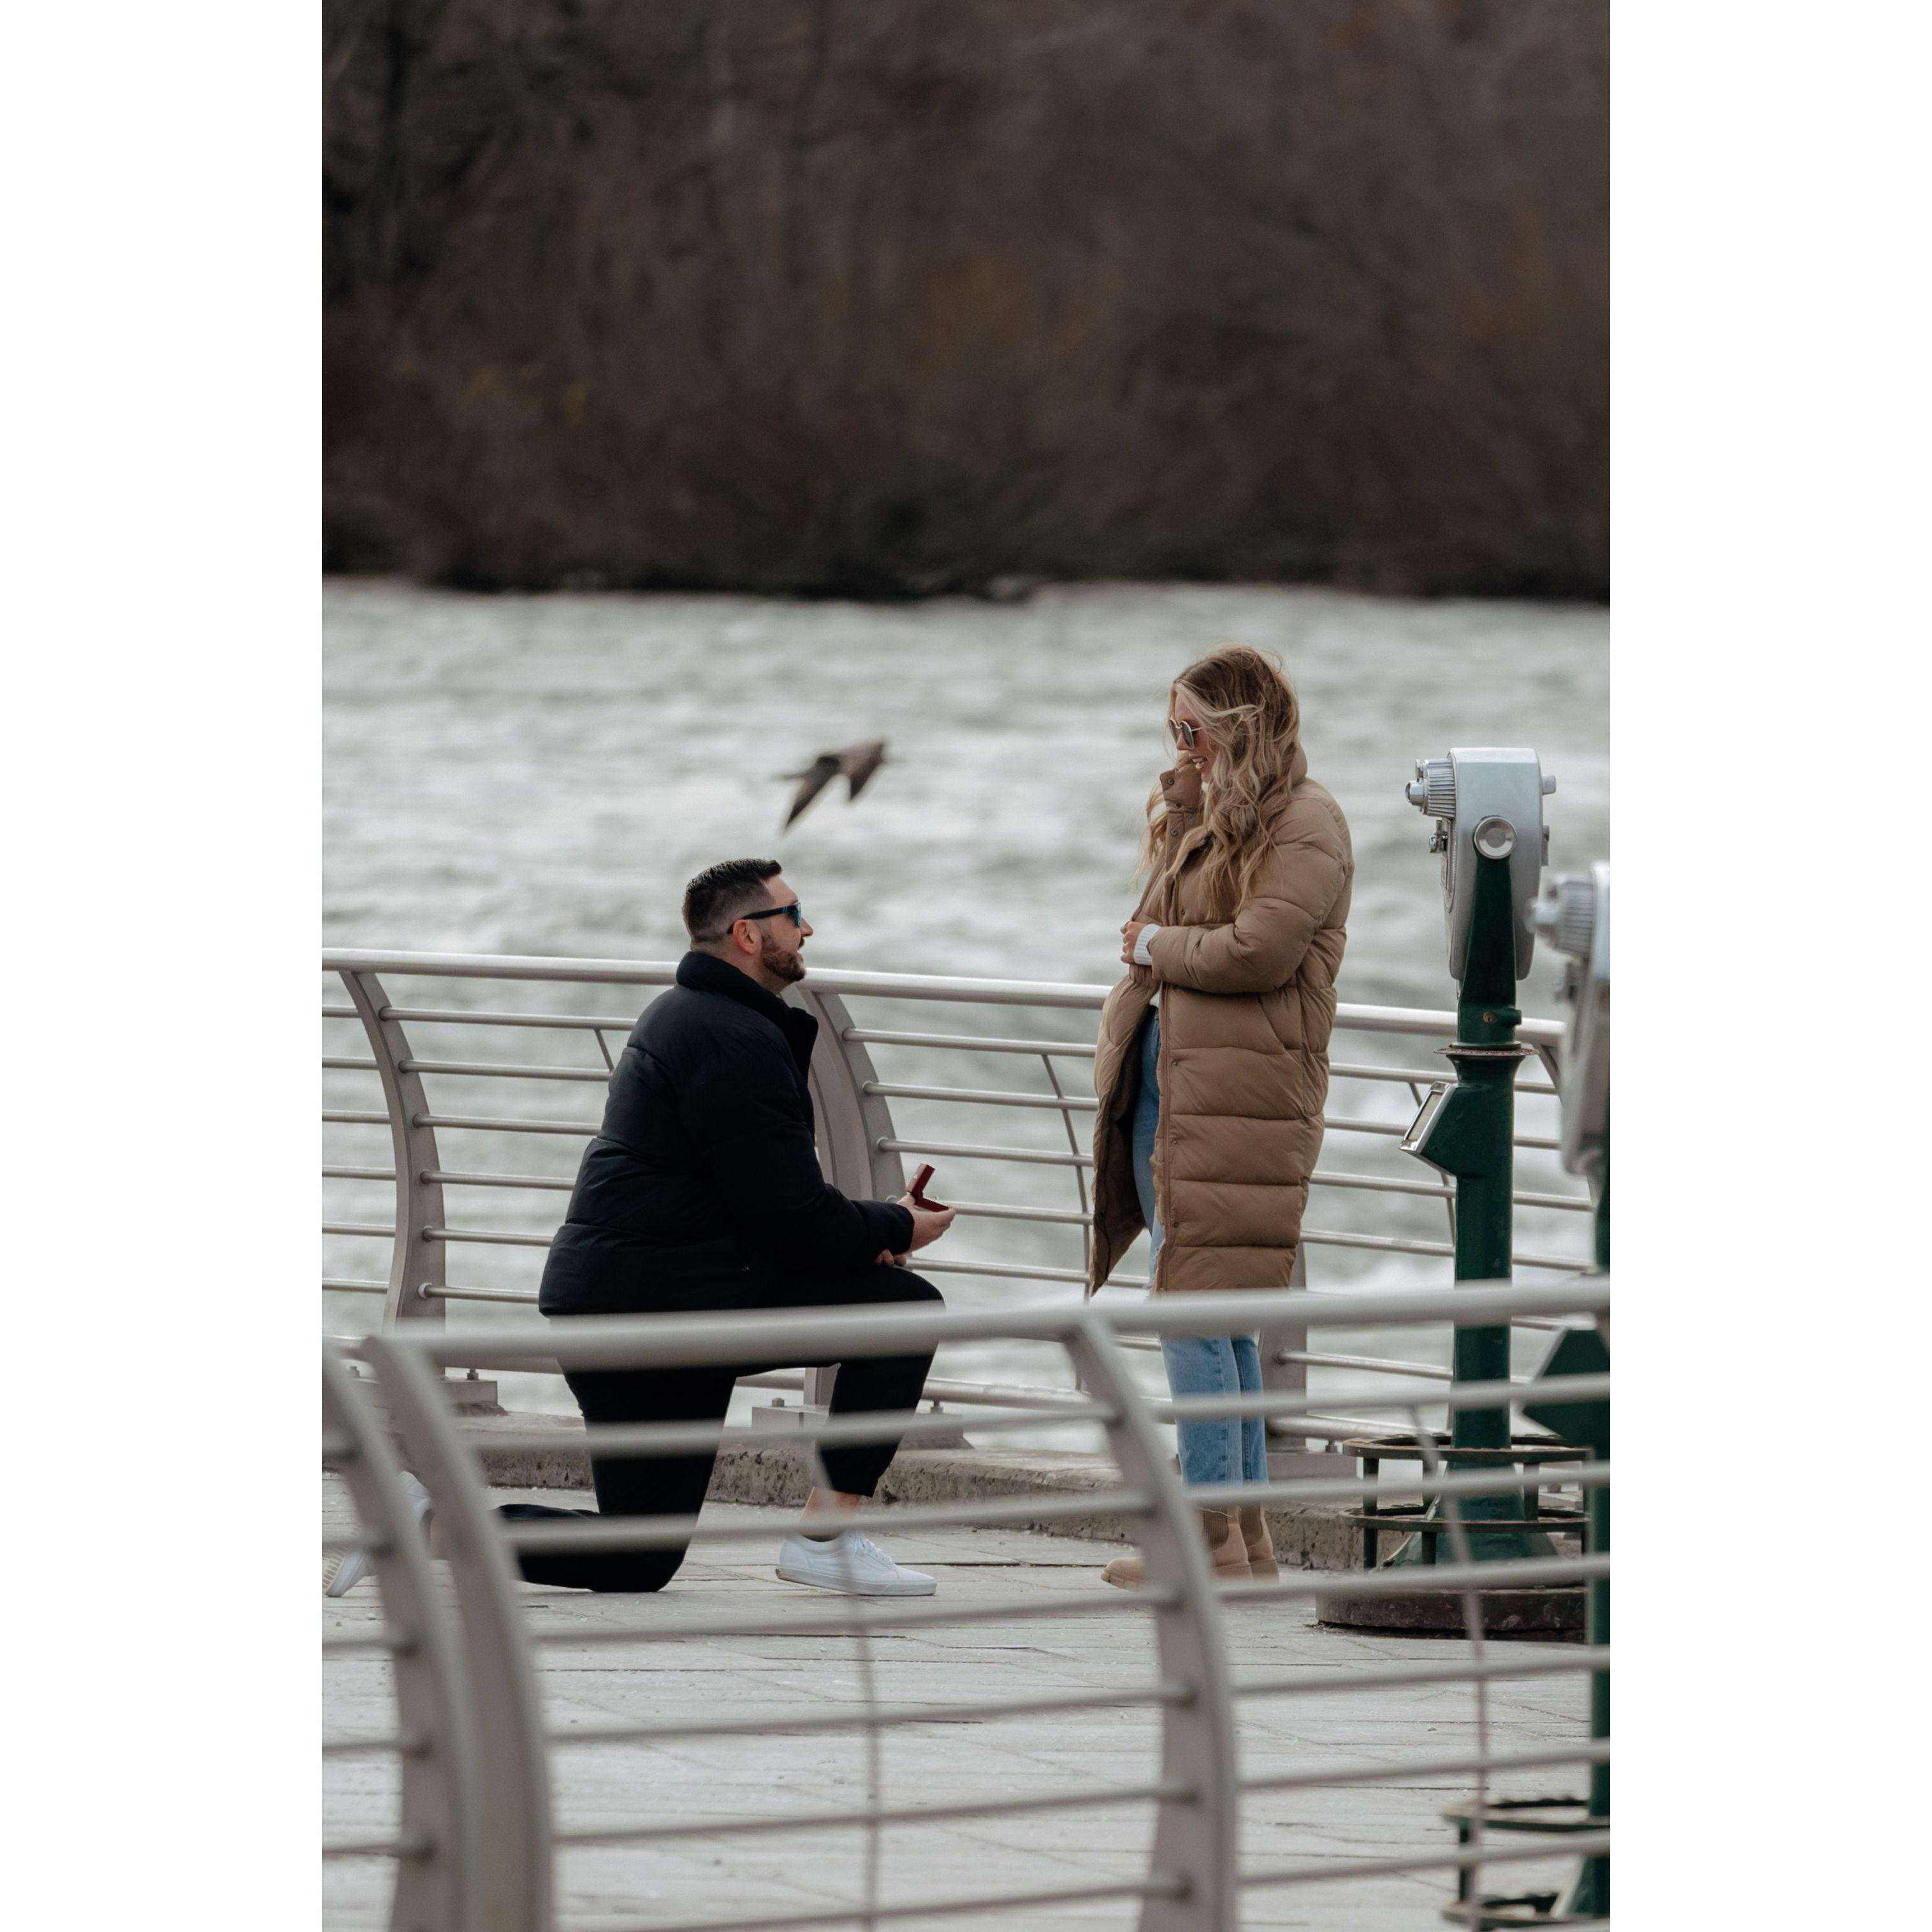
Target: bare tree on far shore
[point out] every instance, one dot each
(828, 296)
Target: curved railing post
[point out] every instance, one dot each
(416, 1262)
(852, 1123)
(1288, 1454)
(512, 1779)
(1197, 1839)
(438, 1890)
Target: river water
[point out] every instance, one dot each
(541, 775)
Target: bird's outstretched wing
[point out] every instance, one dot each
(812, 781)
(859, 762)
(856, 764)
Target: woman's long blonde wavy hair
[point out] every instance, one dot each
(1250, 710)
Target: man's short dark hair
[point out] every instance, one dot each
(723, 893)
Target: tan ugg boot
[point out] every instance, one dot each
(1225, 1547)
(1260, 1546)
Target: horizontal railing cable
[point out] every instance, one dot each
(556, 1184)
(1377, 1183)
(997, 1210)
(1311, 1358)
(1064, 1103)
(880, 1717)
(1305, 1682)
(598, 1076)
(615, 1441)
(488, 1238)
(975, 1151)
(599, 1341)
(1284, 1490)
(1016, 1271)
(404, 1845)
(851, 1621)
(1338, 1295)
(673, 1438)
(1516, 1573)
(1157, 1886)
(1313, 1683)
(389, 1743)
(1172, 1789)
(973, 1042)
(351, 1643)
(1430, 1578)
(1410, 1076)
(1427, 1023)
(1396, 1244)
(1581, 1845)
(1317, 1238)
(483, 1016)
(1547, 1758)
(666, 1532)
(1458, 1396)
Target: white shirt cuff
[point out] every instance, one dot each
(1141, 957)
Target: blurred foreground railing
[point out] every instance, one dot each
(1169, 1822)
(1024, 1200)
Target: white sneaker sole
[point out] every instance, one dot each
(925, 1587)
(358, 1564)
(347, 1574)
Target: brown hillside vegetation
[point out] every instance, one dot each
(885, 297)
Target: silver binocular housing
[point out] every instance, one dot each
(1487, 802)
(1574, 916)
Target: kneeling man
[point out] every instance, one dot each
(702, 1192)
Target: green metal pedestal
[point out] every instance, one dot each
(1583, 1352)
(1473, 1140)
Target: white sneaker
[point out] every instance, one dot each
(850, 1563)
(355, 1566)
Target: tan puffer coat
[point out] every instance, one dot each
(1246, 1008)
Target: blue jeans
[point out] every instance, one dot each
(1233, 1449)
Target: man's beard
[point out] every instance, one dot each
(782, 965)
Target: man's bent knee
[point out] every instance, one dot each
(910, 1287)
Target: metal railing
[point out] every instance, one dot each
(431, 1829)
(1025, 1201)
(1186, 1734)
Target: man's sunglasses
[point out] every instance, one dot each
(1179, 732)
(796, 917)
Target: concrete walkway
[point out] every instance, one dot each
(772, 1875)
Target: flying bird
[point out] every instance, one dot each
(856, 764)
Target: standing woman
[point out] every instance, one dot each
(1213, 1065)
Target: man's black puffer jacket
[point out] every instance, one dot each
(704, 1176)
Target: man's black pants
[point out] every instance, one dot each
(675, 1485)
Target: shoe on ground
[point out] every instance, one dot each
(357, 1564)
(1226, 1549)
(1259, 1545)
(850, 1563)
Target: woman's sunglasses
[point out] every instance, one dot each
(1179, 732)
(792, 911)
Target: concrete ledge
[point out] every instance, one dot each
(771, 1470)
